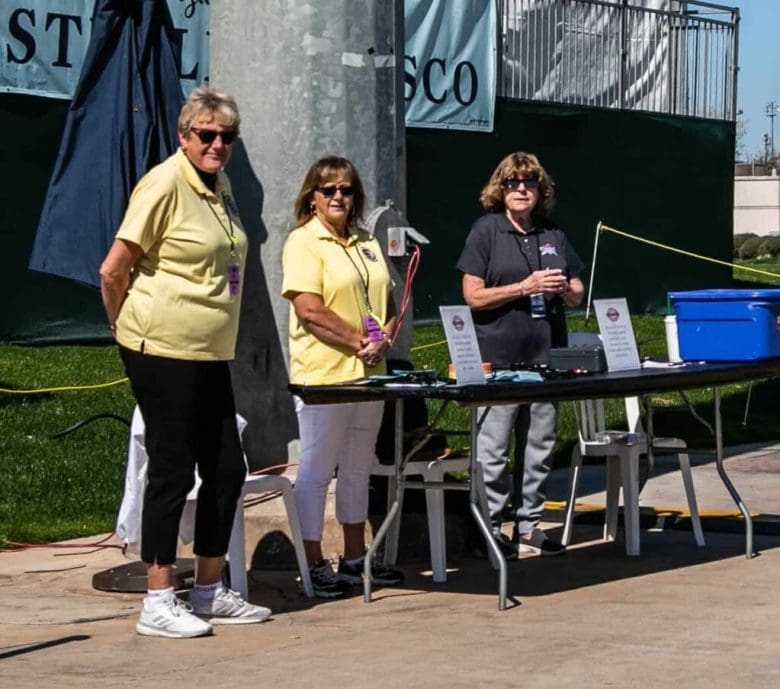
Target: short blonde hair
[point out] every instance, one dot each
(518, 165)
(327, 169)
(209, 102)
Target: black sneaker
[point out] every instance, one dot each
(325, 582)
(537, 542)
(505, 545)
(380, 575)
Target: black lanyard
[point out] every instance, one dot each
(230, 234)
(363, 281)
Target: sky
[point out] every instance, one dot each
(758, 79)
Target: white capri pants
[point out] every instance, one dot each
(335, 435)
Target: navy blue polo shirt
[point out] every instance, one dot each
(496, 252)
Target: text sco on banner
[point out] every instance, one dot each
(450, 64)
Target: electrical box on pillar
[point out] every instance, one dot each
(400, 245)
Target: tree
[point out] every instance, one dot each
(770, 247)
(749, 249)
(740, 145)
(740, 239)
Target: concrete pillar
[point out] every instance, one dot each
(310, 78)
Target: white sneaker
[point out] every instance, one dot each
(169, 617)
(228, 607)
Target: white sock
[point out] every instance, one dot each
(154, 595)
(208, 591)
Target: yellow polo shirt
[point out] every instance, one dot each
(179, 303)
(314, 261)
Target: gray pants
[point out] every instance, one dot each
(534, 428)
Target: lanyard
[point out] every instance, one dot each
(364, 281)
(230, 234)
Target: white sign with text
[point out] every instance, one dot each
(463, 345)
(617, 334)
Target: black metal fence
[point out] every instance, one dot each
(668, 56)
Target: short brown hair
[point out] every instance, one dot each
(327, 169)
(207, 101)
(518, 165)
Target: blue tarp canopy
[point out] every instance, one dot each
(121, 122)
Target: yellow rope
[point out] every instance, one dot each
(65, 388)
(606, 228)
(425, 346)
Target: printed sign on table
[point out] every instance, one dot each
(463, 345)
(617, 334)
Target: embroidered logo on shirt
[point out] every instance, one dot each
(370, 255)
(548, 250)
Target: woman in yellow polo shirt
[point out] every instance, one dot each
(341, 318)
(171, 286)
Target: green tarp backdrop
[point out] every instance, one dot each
(668, 179)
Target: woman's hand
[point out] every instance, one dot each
(549, 280)
(115, 277)
(373, 352)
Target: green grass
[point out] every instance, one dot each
(51, 489)
(55, 489)
(771, 265)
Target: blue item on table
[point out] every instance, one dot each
(727, 324)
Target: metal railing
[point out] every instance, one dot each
(669, 56)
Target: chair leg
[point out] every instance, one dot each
(297, 537)
(236, 554)
(690, 494)
(612, 499)
(574, 482)
(394, 530)
(629, 474)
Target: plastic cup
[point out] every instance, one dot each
(672, 341)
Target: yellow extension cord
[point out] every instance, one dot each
(65, 388)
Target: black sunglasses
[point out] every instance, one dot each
(514, 183)
(330, 190)
(207, 136)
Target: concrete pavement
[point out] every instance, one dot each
(678, 616)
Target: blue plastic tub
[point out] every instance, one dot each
(727, 324)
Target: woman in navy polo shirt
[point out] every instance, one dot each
(519, 274)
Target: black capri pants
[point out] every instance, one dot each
(190, 419)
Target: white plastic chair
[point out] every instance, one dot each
(433, 471)
(264, 483)
(129, 519)
(622, 470)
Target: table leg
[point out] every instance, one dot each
(477, 512)
(727, 482)
(392, 513)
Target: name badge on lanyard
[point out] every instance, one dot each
(234, 279)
